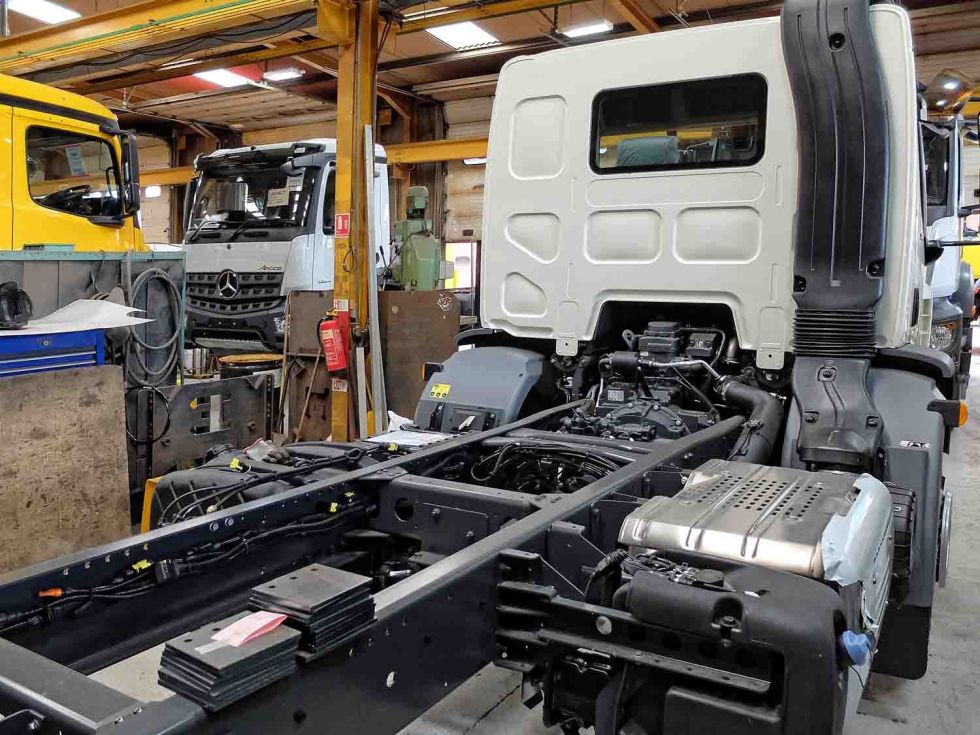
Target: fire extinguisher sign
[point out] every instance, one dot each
(341, 224)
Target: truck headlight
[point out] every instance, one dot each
(943, 336)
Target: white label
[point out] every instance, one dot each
(906, 444)
(295, 182)
(341, 304)
(76, 161)
(338, 385)
(277, 197)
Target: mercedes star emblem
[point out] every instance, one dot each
(227, 284)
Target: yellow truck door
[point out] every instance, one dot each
(66, 185)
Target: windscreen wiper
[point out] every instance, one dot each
(249, 222)
(197, 230)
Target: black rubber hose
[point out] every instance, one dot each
(761, 432)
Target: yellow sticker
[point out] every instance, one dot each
(333, 507)
(392, 447)
(235, 464)
(141, 565)
(440, 390)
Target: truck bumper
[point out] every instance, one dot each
(247, 332)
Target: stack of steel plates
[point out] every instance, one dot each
(215, 674)
(329, 605)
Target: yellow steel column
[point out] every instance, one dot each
(355, 108)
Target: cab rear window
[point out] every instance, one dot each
(703, 123)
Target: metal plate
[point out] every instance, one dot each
(771, 516)
(234, 411)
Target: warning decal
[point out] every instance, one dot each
(440, 390)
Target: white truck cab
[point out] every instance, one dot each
(612, 178)
(261, 224)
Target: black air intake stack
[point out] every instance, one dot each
(842, 123)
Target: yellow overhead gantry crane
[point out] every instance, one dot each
(158, 21)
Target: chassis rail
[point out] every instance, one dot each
(434, 629)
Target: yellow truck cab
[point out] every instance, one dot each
(69, 176)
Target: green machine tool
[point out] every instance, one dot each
(418, 264)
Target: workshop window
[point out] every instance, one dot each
(73, 173)
(706, 123)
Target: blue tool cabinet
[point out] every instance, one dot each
(37, 353)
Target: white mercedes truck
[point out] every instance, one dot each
(678, 226)
(260, 224)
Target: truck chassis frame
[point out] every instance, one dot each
(433, 631)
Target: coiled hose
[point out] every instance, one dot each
(138, 350)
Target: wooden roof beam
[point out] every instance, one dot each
(632, 12)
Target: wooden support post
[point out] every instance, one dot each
(356, 103)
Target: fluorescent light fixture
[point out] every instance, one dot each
(474, 161)
(43, 10)
(223, 78)
(281, 75)
(178, 64)
(463, 35)
(152, 192)
(427, 12)
(589, 29)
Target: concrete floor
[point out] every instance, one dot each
(945, 702)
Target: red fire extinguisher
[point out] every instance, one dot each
(333, 330)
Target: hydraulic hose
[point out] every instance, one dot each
(761, 432)
(140, 370)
